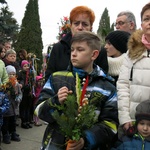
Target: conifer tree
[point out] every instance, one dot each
(30, 35)
(8, 24)
(104, 25)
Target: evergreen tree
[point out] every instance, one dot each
(30, 35)
(104, 25)
(3, 1)
(8, 25)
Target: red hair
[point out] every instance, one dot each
(82, 10)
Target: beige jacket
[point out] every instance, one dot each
(134, 79)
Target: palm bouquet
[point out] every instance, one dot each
(76, 114)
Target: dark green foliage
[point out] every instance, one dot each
(8, 25)
(3, 1)
(104, 25)
(30, 36)
(72, 121)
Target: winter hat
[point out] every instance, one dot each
(10, 69)
(38, 78)
(119, 40)
(143, 111)
(24, 62)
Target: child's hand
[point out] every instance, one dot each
(76, 145)
(127, 125)
(62, 94)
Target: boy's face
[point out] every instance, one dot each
(143, 128)
(11, 57)
(82, 56)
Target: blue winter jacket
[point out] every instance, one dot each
(137, 142)
(4, 105)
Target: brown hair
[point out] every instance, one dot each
(92, 40)
(1, 47)
(146, 7)
(82, 10)
(23, 53)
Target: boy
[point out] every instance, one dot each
(10, 59)
(85, 47)
(141, 138)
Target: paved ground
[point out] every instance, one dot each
(30, 139)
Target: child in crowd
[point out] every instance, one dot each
(4, 106)
(138, 138)
(15, 95)
(85, 48)
(24, 79)
(10, 59)
(2, 52)
(38, 88)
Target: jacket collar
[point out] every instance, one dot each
(135, 46)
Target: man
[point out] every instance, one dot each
(126, 22)
(85, 48)
(7, 46)
(81, 19)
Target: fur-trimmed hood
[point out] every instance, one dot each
(135, 47)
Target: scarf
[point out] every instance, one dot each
(145, 42)
(81, 73)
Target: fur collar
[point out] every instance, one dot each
(135, 46)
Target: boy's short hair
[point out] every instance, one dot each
(93, 40)
(11, 51)
(143, 111)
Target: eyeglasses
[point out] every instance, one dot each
(120, 23)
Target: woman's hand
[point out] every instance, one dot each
(63, 93)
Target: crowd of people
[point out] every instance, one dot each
(114, 78)
(20, 86)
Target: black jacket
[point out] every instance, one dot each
(60, 57)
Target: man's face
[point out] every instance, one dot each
(7, 46)
(123, 24)
(81, 23)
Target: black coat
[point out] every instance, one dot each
(60, 57)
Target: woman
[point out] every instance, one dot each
(81, 19)
(22, 55)
(2, 52)
(133, 83)
(116, 47)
